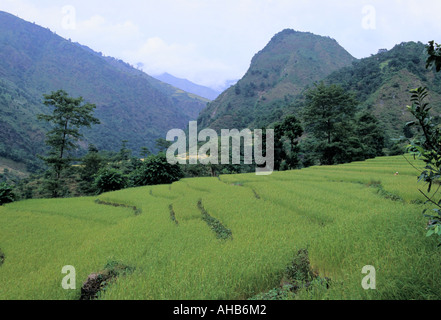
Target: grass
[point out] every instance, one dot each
(343, 215)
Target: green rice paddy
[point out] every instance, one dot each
(347, 216)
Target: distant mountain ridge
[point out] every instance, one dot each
(188, 86)
(130, 104)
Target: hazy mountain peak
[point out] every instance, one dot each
(277, 74)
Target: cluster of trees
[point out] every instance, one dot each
(99, 174)
(96, 172)
(336, 131)
(331, 131)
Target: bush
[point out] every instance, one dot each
(6, 194)
(156, 170)
(109, 179)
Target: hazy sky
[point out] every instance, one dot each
(211, 41)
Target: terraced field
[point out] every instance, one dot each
(230, 238)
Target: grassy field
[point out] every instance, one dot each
(347, 216)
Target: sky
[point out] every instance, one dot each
(212, 41)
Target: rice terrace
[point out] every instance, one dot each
(202, 156)
(345, 217)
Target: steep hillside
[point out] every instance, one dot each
(276, 76)
(130, 104)
(382, 83)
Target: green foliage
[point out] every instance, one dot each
(173, 215)
(427, 146)
(156, 170)
(124, 153)
(98, 283)
(91, 163)
(300, 268)
(69, 115)
(434, 51)
(382, 192)
(6, 194)
(338, 134)
(35, 60)
(290, 129)
(371, 134)
(145, 152)
(116, 268)
(275, 294)
(327, 108)
(109, 179)
(162, 145)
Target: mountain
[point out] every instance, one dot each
(130, 104)
(277, 74)
(189, 86)
(382, 83)
(292, 62)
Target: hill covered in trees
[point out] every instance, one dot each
(382, 83)
(281, 74)
(131, 105)
(277, 74)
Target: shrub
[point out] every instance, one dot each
(6, 194)
(109, 179)
(156, 170)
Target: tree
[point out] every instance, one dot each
(434, 51)
(162, 144)
(124, 159)
(68, 116)
(328, 114)
(371, 135)
(290, 129)
(325, 108)
(91, 163)
(145, 152)
(124, 153)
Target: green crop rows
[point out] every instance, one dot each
(348, 216)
